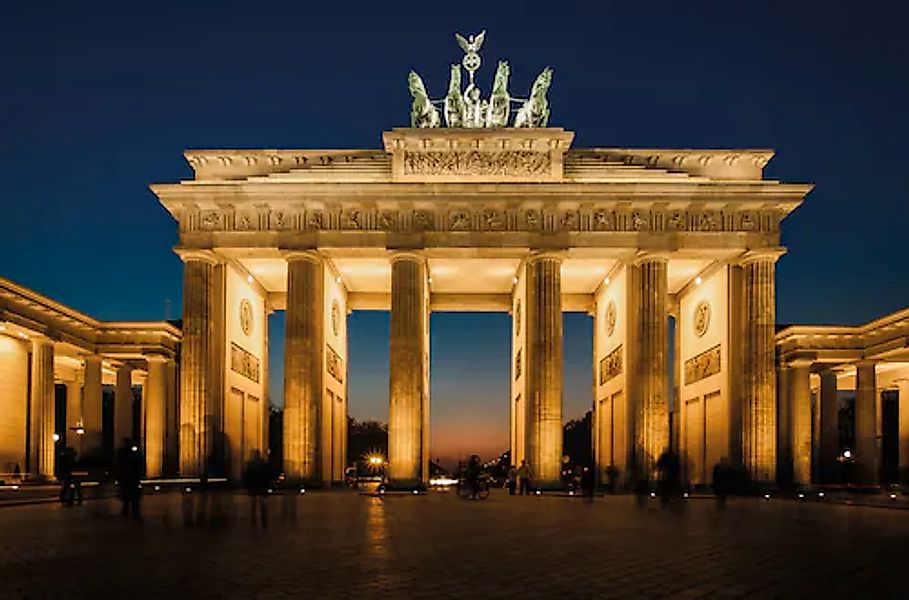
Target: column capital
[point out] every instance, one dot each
(295, 255)
(90, 357)
(412, 255)
(39, 339)
(206, 256)
(799, 363)
(643, 256)
(759, 255)
(536, 255)
(156, 358)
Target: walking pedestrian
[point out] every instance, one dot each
(129, 476)
(524, 475)
(511, 480)
(257, 483)
(587, 483)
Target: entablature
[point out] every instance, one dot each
(37, 314)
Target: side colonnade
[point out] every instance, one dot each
(62, 368)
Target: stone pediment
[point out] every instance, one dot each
(477, 155)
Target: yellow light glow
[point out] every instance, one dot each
(249, 279)
(698, 280)
(607, 281)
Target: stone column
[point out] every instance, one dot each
(648, 376)
(92, 440)
(123, 405)
(155, 409)
(759, 367)
(172, 428)
(43, 447)
(197, 377)
(409, 357)
(799, 399)
(830, 427)
(303, 348)
(784, 428)
(543, 350)
(867, 445)
(903, 387)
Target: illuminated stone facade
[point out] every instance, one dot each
(492, 220)
(829, 372)
(653, 244)
(59, 349)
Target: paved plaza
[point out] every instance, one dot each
(342, 544)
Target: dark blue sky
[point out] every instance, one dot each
(100, 99)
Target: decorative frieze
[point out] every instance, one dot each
(611, 365)
(244, 363)
(702, 366)
(514, 163)
(485, 218)
(334, 364)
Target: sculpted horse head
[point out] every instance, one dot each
(417, 89)
(500, 83)
(541, 85)
(422, 112)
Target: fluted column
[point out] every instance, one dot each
(123, 405)
(544, 369)
(649, 381)
(830, 427)
(43, 447)
(783, 429)
(197, 378)
(798, 396)
(303, 347)
(409, 354)
(759, 367)
(155, 408)
(91, 407)
(867, 446)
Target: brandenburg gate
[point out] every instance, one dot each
(659, 246)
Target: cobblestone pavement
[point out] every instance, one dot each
(348, 545)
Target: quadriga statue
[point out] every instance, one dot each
(535, 111)
(499, 101)
(422, 113)
(454, 101)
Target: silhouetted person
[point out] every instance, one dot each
(70, 487)
(587, 483)
(722, 482)
(670, 469)
(17, 473)
(129, 476)
(612, 478)
(511, 480)
(258, 480)
(473, 476)
(524, 476)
